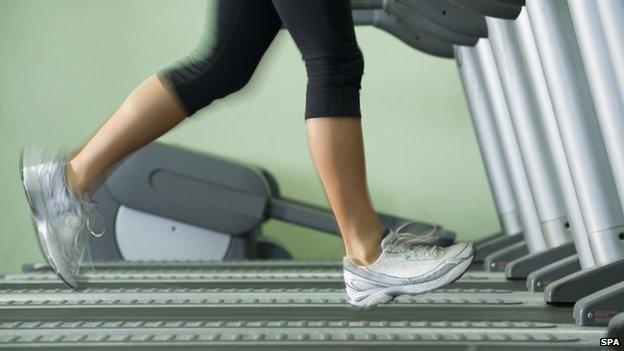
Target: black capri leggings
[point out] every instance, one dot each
(227, 57)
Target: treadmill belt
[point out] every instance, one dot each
(275, 305)
(240, 264)
(271, 304)
(230, 278)
(292, 335)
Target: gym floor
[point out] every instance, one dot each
(65, 65)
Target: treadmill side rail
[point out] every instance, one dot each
(538, 280)
(522, 267)
(497, 261)
(598, 308)
(575, 286)
(616, 327)
(494, 244)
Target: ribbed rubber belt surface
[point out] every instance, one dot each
(228, 278)
(218, 304)
(181, 333)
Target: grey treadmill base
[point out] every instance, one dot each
(272, 304)
(230, 278)
(294, 335)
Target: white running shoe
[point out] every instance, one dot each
(404, 269)
(59, 216)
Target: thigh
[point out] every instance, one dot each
(238, 31)
(318, 26)
(236, 36)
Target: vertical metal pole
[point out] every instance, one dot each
(489, 143)
(544, 106)
(532, 143)
(611, 13)
(522, 191)
(576, 119)
(602, 83)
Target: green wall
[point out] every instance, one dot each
(65, 65)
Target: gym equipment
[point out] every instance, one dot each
(580, 133)
(495, 166)
(534, 151)
(597, 41)
(543, 103)
(550, 209)
(551, 212)
(606, 296)
(602, 76)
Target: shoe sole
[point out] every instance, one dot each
(31, 187)
(388, 294)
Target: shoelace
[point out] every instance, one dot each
(64, 197)
(91, 211)
(415, 250)
(416, 238)
(428, 252)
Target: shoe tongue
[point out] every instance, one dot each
(388, 237)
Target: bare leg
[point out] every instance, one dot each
(149, 112)
(337, 148)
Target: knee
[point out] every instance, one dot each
(334, 82)
(201, 78)
(342, 66)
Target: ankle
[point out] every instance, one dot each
(364, 258)
(363, 247)
(364, 251)
(75, 182)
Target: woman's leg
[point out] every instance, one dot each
(323, 31)
(222, 64)
(149, 112)
(337, 149)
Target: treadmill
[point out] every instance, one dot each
(469, 282)
(485, 132)
(150, 180)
